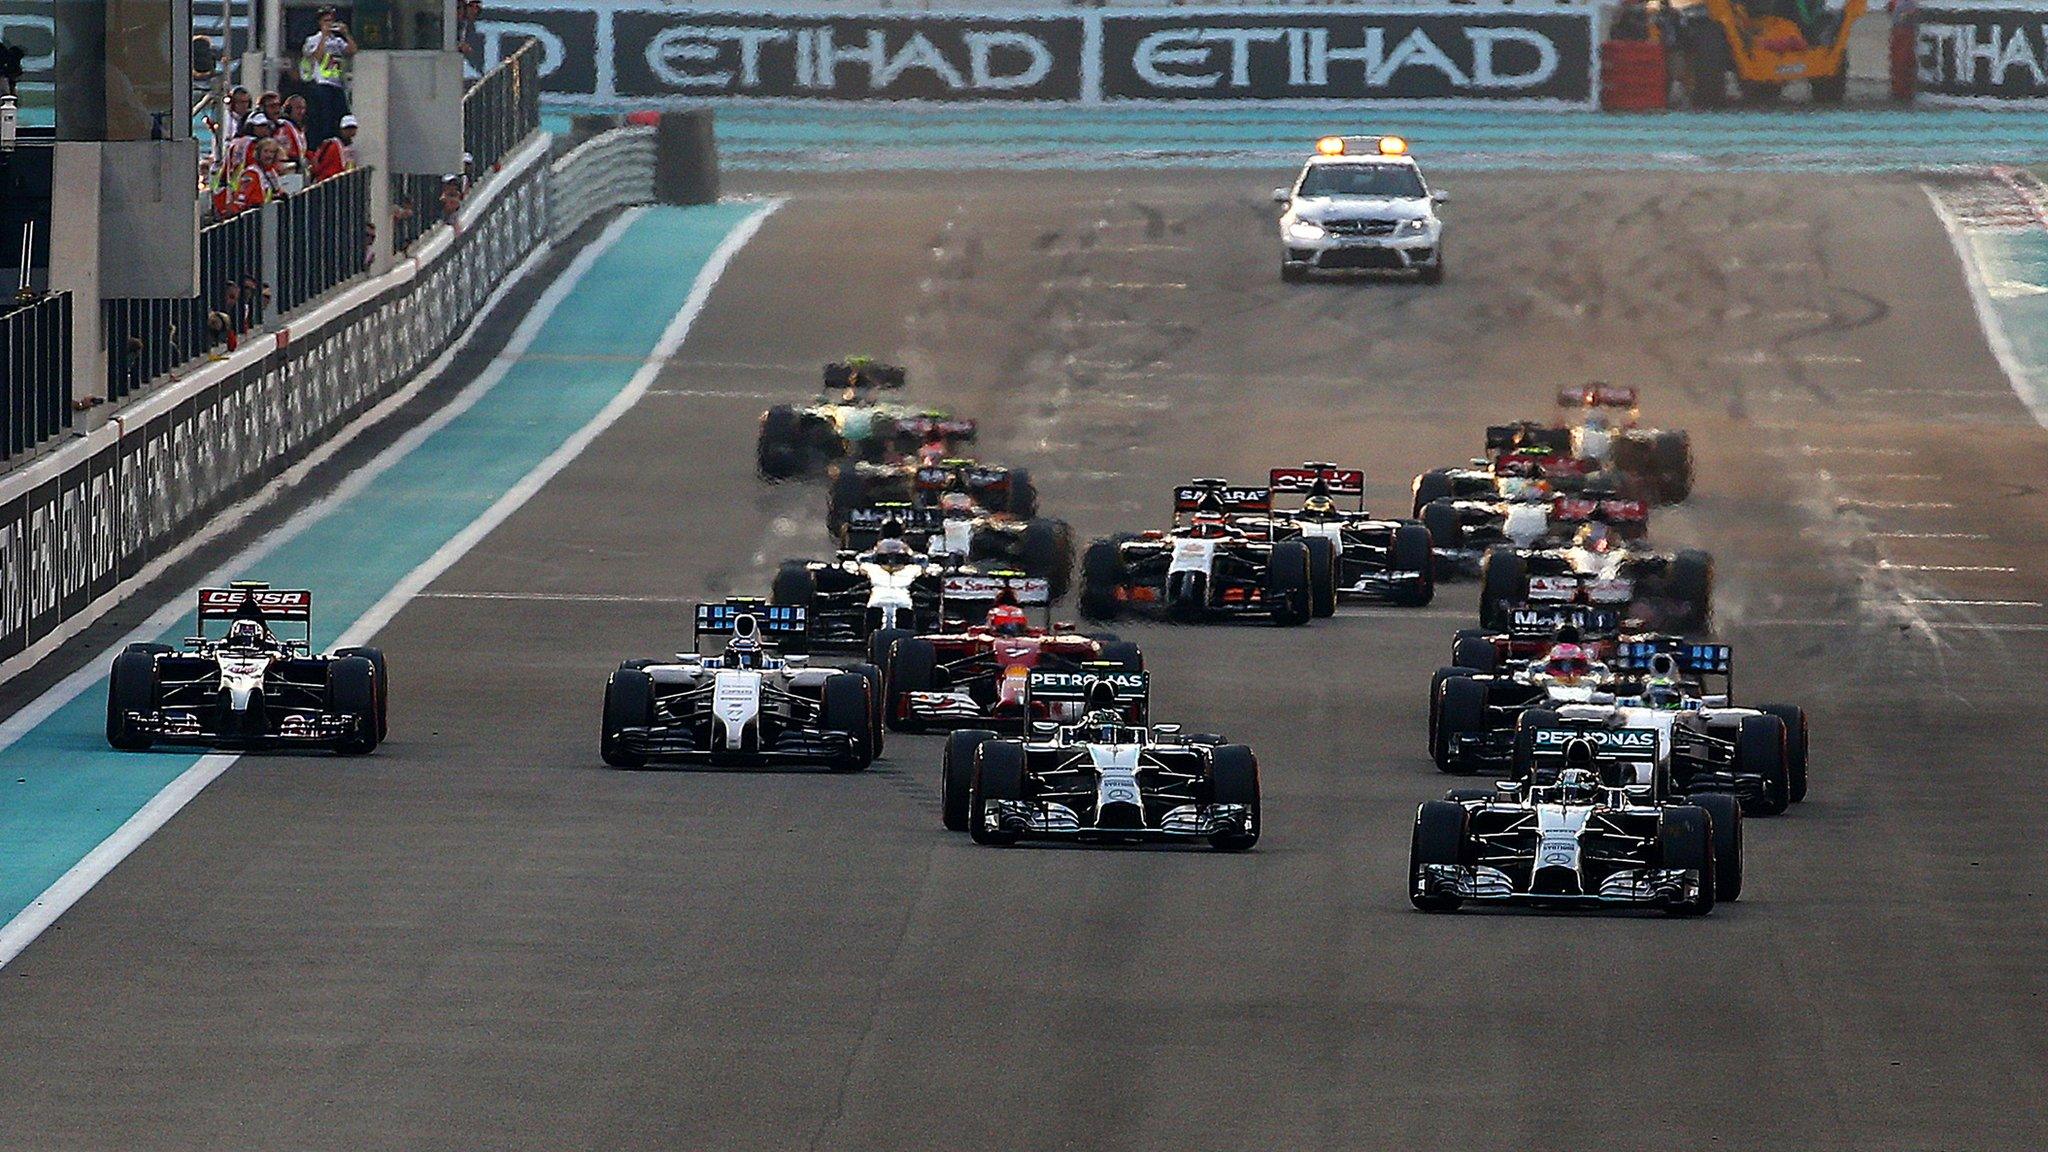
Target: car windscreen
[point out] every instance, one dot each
(1394, 181)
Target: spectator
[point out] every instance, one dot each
(451, 199)
(323, 67)
(469, 35)
(262, 180)
(291, 133)
(256, 128)
(237, 111)
(336, 154)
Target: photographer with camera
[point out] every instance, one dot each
(323, 69)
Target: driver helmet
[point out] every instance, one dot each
(891, 552)
(247, 633)
(1568, 664)
(1595, 537)
(1104, 720)
(1524, 489)
(1319, 504)
(1664, 694)
(1578, 780)
(1596, 422)
(1567, 633)
(932, 450)
(1007, 620)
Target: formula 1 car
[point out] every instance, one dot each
(847, 421)
(956, 532)
(851, 598)
(1682, 691)
(1382, 559)
(750, 705)
(249, 688)
(929, 484)
(1655, 463)
(1577, 831)
(1523, 511)
(1475, 715)
(1207, 567)
(1660, 590)
(1102, 779)
(979, 675)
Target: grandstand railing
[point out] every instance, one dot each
(322, 237)
(35, 364)
(146, 338)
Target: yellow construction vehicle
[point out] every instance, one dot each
(1764, 45)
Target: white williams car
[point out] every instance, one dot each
(1360, 203)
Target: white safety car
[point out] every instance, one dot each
(1360, 203)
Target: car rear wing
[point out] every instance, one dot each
(1502, 438)
(1338, 482)
(1597, 395)
(1025, 591)
(1637, 656)
(1531, 621)
(1627, 744)
(930, 425)
(777, 622)
(1233, 499)
(863, 374)
(972, 476)
(1613, 510)
(267, 603)
(1133, 689)
(874, 517)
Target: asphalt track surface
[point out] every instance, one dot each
(481, 938)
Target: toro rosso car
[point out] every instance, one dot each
(1101, 779)
(247, 687)
(749, 705)
(1661, 590)
(1577, 831)
(847, 421)
(1207, 566)
(1655, 463)
(1381, 559)
(979, 675)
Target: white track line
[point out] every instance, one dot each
(1976, 603)
(1886, 564)
(560, 597)
(32, 921)
(1932, 535)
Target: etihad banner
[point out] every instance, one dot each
(644, 53)
(1982, 52)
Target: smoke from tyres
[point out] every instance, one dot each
(1088, 56)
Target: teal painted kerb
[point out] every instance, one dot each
(62, 790)
(2015, 271)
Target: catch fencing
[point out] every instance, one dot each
(323, 236)
(35, 359)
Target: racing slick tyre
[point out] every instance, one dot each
(1289, 590)
(1503, 583)
(846, 709)
(956, 775)
(883, 642)
(1102, 575)
(1440, 519)
(1434, 273)
(795, 584)
(131, 688)
(1795, 745)
(1023, 498)
(876, 704)
(1413, 552)
(1523, 760)
(1234, 779)
(1474, 652)
(1436, 698)
(628, 703)
(1685, 839)
(1439, 838)
(1726, 816)
(1671, 466)
(913, 667)
(1293, 272)
(1046, 549)
(352, 691)
(849, 491)
(998, 775)
(1428, 488)
(1462, 708)
(1692, 587)
(780, 450)
(1322, 576)
(376, 658)
(1124, 654)
(1760, 750)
